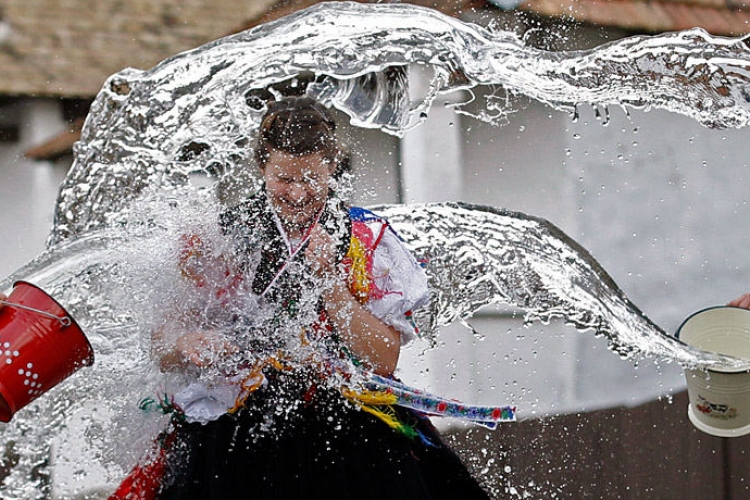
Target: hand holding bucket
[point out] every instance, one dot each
(40, 346)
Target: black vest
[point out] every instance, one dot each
(260, 245)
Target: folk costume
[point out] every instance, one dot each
(323, 428)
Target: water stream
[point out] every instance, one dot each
(128, 197)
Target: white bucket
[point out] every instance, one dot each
(719, 397)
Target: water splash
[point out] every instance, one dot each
(478, 255)
(196, 113)
(474, 256)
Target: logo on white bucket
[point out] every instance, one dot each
(720, 411)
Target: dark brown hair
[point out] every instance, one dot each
(298, 126)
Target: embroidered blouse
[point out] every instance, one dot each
(382, 274)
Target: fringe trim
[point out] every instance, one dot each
(255, 381)
(380, 404)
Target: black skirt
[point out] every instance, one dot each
(297, 441)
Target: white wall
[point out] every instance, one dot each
(659, 200)
(375, 164)
(28, 189)
(664, 208)
(672, 199)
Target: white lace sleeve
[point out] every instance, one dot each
(403, 281)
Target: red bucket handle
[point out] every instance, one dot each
(64, 321)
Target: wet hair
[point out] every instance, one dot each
(298, 126)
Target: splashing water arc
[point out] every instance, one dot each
(143, 122)
(145, 125)
(149, 131)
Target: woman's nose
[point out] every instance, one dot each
(296, 192)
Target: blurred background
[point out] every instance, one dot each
(659, 200)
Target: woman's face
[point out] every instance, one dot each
(297, 186)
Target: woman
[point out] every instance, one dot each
(341, 288)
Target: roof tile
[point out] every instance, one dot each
(68, 48)
(720, 17)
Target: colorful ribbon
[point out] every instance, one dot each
(430, 404)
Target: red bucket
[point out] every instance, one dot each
(40, 346)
